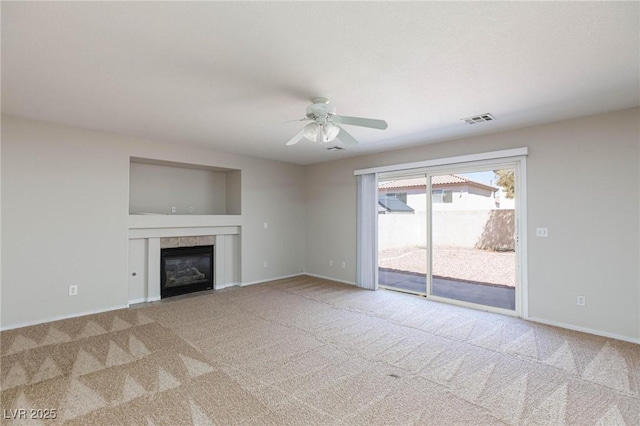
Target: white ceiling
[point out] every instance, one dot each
(227, 75)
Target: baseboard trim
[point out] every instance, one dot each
(143, 300)
(324, 277)
(62, 317)
(584, 329)
(272, 279)
(227, 285)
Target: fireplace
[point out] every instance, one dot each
(185, 270)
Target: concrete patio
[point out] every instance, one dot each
(483, 294)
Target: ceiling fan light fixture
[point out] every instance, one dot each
(311, 131)
(329, 132)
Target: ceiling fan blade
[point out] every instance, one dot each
(282, 122)
(297, 138)
(296, 120)
(359, 121)
(346, 138)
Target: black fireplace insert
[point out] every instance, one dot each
(185, 270)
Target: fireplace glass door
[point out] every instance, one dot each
(185, 270)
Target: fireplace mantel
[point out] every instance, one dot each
(147, 221)
(145, 232)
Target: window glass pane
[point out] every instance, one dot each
(472, 250)
(402, 233)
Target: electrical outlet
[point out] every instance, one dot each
(173, 209)
(542, 232)
(73, 290)
(266, 225)
(581, 301)
(331, 263)
(190, 209)
(265, 264)
(344, 265)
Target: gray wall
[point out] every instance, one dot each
(65, 196)
(65, 208)
(234, 192)
(155, 189)
(583, 184)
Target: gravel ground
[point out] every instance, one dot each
(454, 262)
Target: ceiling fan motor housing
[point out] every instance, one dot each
(320, 112)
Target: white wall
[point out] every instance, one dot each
(417, 202)
(65, 194)
(155, 189)
(1, 218)
(463, 198)
(453, 228)
(402, 230)
(234, 192)
(65, 188)
(583, 184)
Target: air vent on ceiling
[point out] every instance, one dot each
(335, 148)
(478, 118)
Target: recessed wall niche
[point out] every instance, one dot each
(165, 187)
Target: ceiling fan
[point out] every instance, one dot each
(325, 125)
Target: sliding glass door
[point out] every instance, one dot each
(450, 234)
(472, 244)
(402, 233)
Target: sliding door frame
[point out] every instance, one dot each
(480, 166)
(511, 158)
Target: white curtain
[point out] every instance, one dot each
(367, 233)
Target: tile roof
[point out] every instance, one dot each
(437, 180)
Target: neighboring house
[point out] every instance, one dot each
(448, 192)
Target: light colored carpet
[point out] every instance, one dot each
(308, 351)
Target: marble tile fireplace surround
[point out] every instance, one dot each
(149, 234)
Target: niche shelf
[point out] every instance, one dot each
(165, 188)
